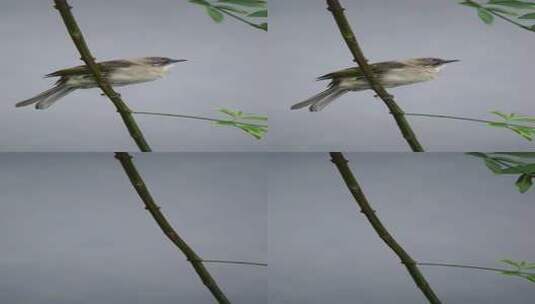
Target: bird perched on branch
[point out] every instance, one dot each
(390, 74)
(116, 72)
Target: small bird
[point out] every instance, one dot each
(117, 72)
(389, 73)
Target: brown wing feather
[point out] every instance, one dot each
(104, 66)
(377, 68)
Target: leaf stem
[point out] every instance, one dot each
(337, 11)
(77, 37)
(198, 118)
(462, 118)
(472, 267)
(234, 262)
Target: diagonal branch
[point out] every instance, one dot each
(139, 185)
(76, 34)
(411, 265)
(347, 33)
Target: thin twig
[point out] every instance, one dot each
(472, 267)
(76, 34)
(503, 17)
(139, 185)
(360, 198)
(234, 262)
(198, 118)
(337, 10)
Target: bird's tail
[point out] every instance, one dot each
(321, 100)
(47, 98)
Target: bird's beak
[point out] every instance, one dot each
(176, 60)
(450, 61)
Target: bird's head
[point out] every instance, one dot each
(162, 62)
(435, 63)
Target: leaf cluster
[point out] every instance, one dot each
(243, 10)
(519, 12)
(248, 123)
(522, 125)
(520, 269)
(511, 163)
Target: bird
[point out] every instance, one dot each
(390, 74)
(117, 72)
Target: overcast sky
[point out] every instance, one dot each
(238, 67)
(73, 230)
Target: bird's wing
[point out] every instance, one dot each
(105, 67)
(377, 68)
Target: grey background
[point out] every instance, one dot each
(73, 230)
(238, 67)
(440, 207)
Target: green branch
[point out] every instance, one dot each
(347, 33)
(76, 34)
(139, 185)
(360, 198)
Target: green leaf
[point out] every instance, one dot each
(510, 273)
(254, 117)
(230, 112)
(249, 3)
(523, 118)
(470, 4)
(200, 2)
(264, 26)
(501, 114)
(485, 15)
(232, 9)
(259, 14)
(510, 262)
(512, 3)
(527, 16)
(519, 154)
(526, 132)
(501, 10)
(524, 182)
(522, 169)
(508, 160)
(216, 15)
(493, 165)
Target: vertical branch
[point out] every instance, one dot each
(359, 196)
(76, 34)
(347, 33)
(139, 185)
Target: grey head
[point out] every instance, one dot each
(161, 61)
(433, 62)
